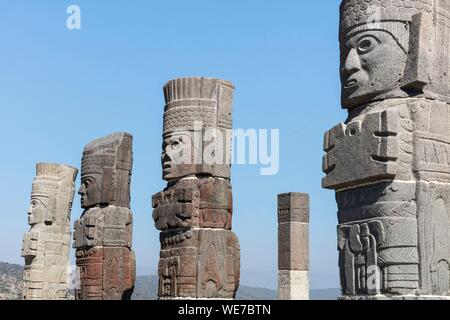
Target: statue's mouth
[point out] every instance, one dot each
(167, 166)
(350, 83)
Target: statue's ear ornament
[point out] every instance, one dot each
(417, 71)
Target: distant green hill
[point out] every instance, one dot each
(145, 289)
(147, 286)
(10, 281)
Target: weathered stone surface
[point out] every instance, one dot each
(107, 227)
(105, 273)
(373, 140)
(194, 203)
(396, 201)
(103, 234)
(200, 256)
(199, 263)
(46, 245)
(293, 246)
(390, 161)
(293, 285)
(293, 207)
(433, 201)
(408, 140)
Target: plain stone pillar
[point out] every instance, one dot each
(293, 246)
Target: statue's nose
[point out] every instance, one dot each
(352, 63)
(166, 155)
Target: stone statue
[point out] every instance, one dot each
(103, 234)
(46, 245)
(389, 162)
(293, 246)
(200, 256)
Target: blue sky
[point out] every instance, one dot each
(60, 89)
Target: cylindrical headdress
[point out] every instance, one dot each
(197, 99)
(109, 161)
(363, 13)
(56, 182)
(201, 104)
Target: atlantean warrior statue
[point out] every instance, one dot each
(102, 236)
(46, 245)
(390, 161)
(200, 256)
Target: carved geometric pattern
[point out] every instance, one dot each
(399, 255)
(288, 279)
(207, 264)
(356, 12)
(184, 118)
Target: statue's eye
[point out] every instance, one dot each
(86, 183)
(366, 44)
(175, 143)
(34, 204)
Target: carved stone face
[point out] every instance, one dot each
(89, 191)
(372, 65)
(176, 155)
(38, 209)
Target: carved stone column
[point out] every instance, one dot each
(46, 245)
(293, 246)
(200, 256)
(389, 162)
(102, 236)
